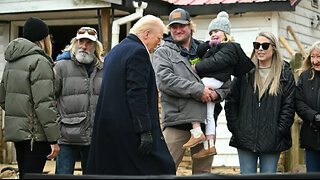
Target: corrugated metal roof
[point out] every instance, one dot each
(201, 2)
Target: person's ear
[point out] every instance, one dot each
(146, 34)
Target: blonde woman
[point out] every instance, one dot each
(260, 108)
(27, 96)
(308, 107)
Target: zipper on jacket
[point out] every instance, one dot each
(90, 92)
(31, 143)
(33, 125)
(318, 100)
(256, 131)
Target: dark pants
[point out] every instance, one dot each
(312, 160)
(31, 161)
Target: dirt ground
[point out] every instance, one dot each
(50, 169)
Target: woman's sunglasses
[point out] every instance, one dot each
(257, 45)
(90, 31)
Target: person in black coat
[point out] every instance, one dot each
(260, 108)
(127, 137)
(307, 104)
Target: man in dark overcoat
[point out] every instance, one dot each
(127, 137)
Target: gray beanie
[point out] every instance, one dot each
(221, 23)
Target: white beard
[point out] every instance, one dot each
(83, 56)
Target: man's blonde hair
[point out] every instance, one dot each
(148, 22)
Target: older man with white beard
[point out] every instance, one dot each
(78, 80)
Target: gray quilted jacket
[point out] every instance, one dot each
(180, 87)
(77, 96)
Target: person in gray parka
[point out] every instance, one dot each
(78, 80)
(27, 96)
(183, 95)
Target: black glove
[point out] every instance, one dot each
(315, 124)
(202, 49)
(146, 143)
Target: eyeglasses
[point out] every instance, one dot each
(90, 31)
(257, 45)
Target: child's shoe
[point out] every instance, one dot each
(207, 150)
(196, 138)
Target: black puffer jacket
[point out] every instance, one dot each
(307, 104)
(261, 126)
(224, 60)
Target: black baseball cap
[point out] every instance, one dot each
(180, 16)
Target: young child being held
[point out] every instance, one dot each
(220, 58)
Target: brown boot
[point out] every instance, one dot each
(205, 152)
(194, 141)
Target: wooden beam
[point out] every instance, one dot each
(106, 29)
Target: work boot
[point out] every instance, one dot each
(194, 141)
(206, 150)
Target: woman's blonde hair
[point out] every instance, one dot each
(306, 64)
(46, 45)
(97, 53)
(275, 71)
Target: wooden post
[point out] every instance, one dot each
(1, 139)
(106, 29)
(289, 28)
(294, 153)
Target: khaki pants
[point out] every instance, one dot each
(175, 139)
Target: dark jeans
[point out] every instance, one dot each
(67, 158)
(31, 161)
(312, 160)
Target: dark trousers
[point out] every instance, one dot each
(312, 160)
(31, 161)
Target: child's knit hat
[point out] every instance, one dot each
(221, 23)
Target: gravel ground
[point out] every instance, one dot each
(50, 169)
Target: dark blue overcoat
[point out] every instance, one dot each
(128, 106)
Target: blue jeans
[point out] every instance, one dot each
(68, 156)
(312, 160)
(249, 162)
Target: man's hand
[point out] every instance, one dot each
(214, 95)
(206, 95)
(146, 143)
(54, 151)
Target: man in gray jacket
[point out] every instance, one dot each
(78, 80)
(183, 95)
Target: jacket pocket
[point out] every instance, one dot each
(73, 130)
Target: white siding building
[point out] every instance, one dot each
(245, 26)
